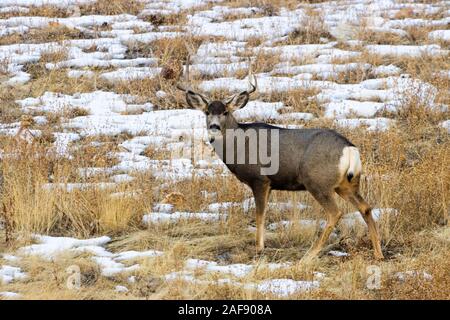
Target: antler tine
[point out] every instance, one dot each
(189, 89)
(186, 75)
(250, 76)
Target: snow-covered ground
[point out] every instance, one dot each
(111, 264)
(217, 62)
(108, 113)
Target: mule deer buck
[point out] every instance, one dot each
(320, 161)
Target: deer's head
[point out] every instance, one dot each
(218, 112)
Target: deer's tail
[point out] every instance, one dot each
(350, 163)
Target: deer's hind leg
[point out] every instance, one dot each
(328, 202)
(350, 191)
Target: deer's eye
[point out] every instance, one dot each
(207, 113)
(225, 113)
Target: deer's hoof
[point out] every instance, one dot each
(379, 256)
(259, 249)
(308, 258)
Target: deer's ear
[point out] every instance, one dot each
(238, 101)
(196, 101)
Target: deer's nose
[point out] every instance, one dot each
(214, 127)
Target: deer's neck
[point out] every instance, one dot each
(231, 123)
(220, 144)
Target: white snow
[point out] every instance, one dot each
(9, 295)
(345, 108)
(406, 51)
(38, 3)
(286, 287)
(306, 116)
(440, 35)
(9, 274)
(161, 217)
(279, 287)
(322, 70)
(244, 29)
(163, 207)
(131, 73)
(376, 124)
(110, 263)
(48, 247)
(354, 218)
(10, 257)
(79, 186)
(218, 69)
(63, 140)
(121, 289)
(389, 70)
(336, 253)
(110, 267)
(238, 269)
(131, 255)
(403, 276)
(446, 125)
(249, 204)
(259, 111)
(109, 114)
(302, 223)
(80, 73)
(219, 49)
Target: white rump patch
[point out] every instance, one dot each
(350, 162)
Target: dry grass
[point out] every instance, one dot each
(31, 207)
(53, 32)
(407, 167)
(265, 62)
(43, 80)
(301, 100)
(9, 110)
(39, 11)
(172, 55)
(310, 31)
(58, 81)
(113, 7)
(174, 19)
(412, 13)
(415, 35)
(269, 8)
(424, 67)
(377, 37)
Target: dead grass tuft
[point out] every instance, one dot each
(311, 31)
(39, 11)
(113, 7)
(173, 19)
(53, 32)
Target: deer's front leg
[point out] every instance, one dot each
(261, 191)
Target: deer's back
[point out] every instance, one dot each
(302, 152)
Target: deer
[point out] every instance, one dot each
(317, 160)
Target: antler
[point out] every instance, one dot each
(246, 93)
(189, 89)
(186, 76)
(254, 85)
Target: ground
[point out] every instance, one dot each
(111, 191)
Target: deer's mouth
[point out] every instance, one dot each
(213, 134)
